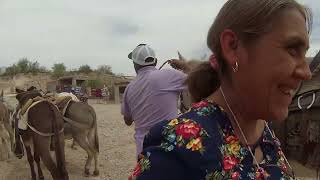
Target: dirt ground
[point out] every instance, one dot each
(116, 158)
(117, 152)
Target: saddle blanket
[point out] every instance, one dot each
(60, 102)
(23, 116)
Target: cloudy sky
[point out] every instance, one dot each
(98, 32)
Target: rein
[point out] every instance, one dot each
(163, 64)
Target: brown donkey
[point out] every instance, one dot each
(45, 124)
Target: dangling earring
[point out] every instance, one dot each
(235, 69)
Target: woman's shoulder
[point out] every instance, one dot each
(193, 137)
(199, 123)
(191, 141)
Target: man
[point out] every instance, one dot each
(152, 96)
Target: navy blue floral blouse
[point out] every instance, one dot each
(201, 145)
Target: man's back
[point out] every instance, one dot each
(152, 97)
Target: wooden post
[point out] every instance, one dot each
(116, 94)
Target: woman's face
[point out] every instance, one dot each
(271, 68)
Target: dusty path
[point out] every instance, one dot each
(117, 151)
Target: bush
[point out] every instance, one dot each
(59, 70)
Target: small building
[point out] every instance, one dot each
(73, 80)
(120, 86)
(67, 83)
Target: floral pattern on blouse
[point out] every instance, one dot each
(201, 144)
(142, 165)
(184, 133)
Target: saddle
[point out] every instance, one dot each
(59, 102)
(303, 128)
(305, 100)
(21, 123)
(309, 127)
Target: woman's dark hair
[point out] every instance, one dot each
(198, 79)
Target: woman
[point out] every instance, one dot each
(259, 60)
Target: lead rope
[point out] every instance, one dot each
(163, 64)
(245, 139)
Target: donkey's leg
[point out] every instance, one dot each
(10, 131)
(30, 160)
(83, 143)
(43, 145)
(4, 138)
(63, 170)
(92, 142)
(96, 164)
(37, 159)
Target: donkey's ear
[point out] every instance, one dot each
(181, 57)
(19, 90)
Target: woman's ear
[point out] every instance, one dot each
(229, 45)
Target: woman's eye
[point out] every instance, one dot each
(292, 51)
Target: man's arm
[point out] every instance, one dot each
(125, 110)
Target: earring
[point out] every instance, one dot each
(235, 69)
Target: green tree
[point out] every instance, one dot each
(12, 70)
(23, 65)
(104, 69)
(34, 67)
(43, 69)
(85, 69)
(59, 69)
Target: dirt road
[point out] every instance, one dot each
(117, 151)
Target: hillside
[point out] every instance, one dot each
(40, 81)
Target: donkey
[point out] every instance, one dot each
(5, 133)
(6, 114)
(185, 98)
(45, 124)
(81, 125)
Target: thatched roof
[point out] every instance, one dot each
(314, 65)
(123, 80)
